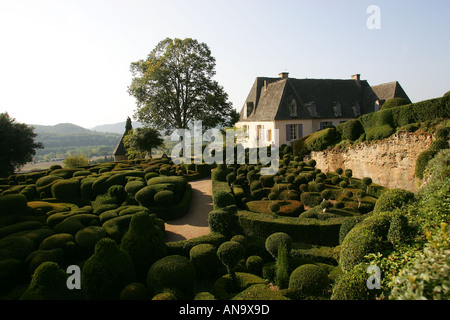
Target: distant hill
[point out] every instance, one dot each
(66, 138)
(61, 128)
(115, 127)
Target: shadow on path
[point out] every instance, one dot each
(195, 222)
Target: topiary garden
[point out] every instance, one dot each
(299, 234)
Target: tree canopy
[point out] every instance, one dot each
(142, 140)
(174, 86)
(17, 145)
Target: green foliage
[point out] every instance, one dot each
(352, 285)
(17, 145)
(173, 272)
(350, 130)
(13, 203)
(379, 132)
(107, 271)
(222, 199)
(398, 229)
(49, 283)
(141, 141)
(392, 199)
(422, 161)
(311, 199)
(144, 243)
(427, 276)
(220, 173)
(205, 261)
(229, 253)
(164, 198)
(308, 280)
(76, 161)
(158, 78)
(67, 190)
(321, 140)
(394, 102)
(282, 266)
(348, 225)
(366, 237)
(276, 241)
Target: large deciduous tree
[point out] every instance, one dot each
(17, 145)
(174, 86)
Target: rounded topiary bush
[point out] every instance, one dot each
(39, 256)
(220, 173)
(223, 199)
(394, 102)
(308, 280)
(13, 204)
(277, 239)
(366, 237)
(144, 243)
(205, 261)
(49, 283)
(134, 291)
(87, 238)
(172, 272)
(107, 271)
(164, 198)
(352, 285)
(392, 199)
(255, 264)
(224, 221)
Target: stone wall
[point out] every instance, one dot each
(390, 162)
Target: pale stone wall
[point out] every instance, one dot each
(390, 162)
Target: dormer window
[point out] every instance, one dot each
(357, 109)
(248, 108)
(293, 108)
(312, 108)
(337, 109)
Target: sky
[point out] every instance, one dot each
(68, 61)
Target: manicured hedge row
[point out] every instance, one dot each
(314, 231)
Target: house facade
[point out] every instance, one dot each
(299, 107)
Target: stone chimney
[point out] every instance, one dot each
(356, 77)
(283, 75)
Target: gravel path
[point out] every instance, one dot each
(195, 222)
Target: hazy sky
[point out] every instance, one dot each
(68, 60)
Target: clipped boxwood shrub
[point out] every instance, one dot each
(352, 285)
(379, 132)
(322, 139)
(311, 199)
(172, 272)
(277, 239)
(205, 261)
(13, 204)
(67, 190)
(107, 271)
(350, 130)
(49, 283)
(308, 280)
(144, 242)
(223, 199)
(224, 221)
(394, 102)
(368, 236)
(392, 199)
(164, 198)
(220, 173)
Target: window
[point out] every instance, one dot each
(337, 109)
(293, 131)
(269, 135)
(259, 132)
(293, 108)
(325, 124)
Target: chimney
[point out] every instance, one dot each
(283, 75)
(356, 77)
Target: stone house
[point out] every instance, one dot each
(299, 107)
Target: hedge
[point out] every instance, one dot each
(350, 130)
(314, 231)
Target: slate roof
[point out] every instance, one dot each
(120, 148)
(390, 90)
(269, 99)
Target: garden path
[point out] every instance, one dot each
(195, 222)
